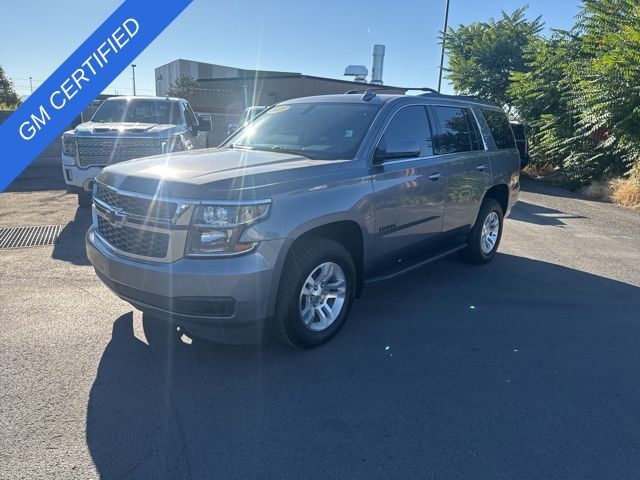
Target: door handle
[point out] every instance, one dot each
(482, 168)
(435, 176)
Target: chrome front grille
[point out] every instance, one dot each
(133, 240)
(141, 225)
(100, 151)
(134, 205)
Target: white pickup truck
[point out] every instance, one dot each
(124, 128)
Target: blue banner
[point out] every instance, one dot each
(79, 80)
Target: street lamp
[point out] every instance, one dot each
(133, 69)
(444, 36)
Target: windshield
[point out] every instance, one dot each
(138, 111)
(328, 131)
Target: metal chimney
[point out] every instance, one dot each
(378, 63)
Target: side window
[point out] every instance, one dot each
(189, 116)
(409, 124)
(500, 128)
(452, 130)
(476, 136)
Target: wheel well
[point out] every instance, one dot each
(348, 234)
(500, 193)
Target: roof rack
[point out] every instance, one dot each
(430, 91)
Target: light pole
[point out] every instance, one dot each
(30, 84)
(133, 69)
(444, 36)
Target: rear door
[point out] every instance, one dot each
(457, 139)
(409, 192)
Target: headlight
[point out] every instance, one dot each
(217, 229)
(69, 145)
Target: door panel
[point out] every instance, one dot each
(468, 166)
(409, 193)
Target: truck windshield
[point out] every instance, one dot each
(138, 111)
(328, 131)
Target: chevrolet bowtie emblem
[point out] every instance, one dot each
(115, 217)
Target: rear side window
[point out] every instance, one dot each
(453, 134)
(409, 124)
(500, 128)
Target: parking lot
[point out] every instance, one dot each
(524, 368)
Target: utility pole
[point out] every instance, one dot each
(446, 26)
(31, 84)
(133, 69)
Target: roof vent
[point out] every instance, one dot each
(359, 72)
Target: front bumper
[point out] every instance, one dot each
(228, 300)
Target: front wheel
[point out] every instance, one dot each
(316, 291)
(484, 238)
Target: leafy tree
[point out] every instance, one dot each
(483, 55)
(182, 87)
(8, 95)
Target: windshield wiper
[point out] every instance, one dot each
(291, 151)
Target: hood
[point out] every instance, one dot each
(123, 128)
(221, 172)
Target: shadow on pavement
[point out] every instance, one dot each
(518, 369)
(539, 215)
(70, 246)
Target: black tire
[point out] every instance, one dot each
(474, 253)
(84, 200)
(305, 256)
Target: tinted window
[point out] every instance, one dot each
(476, 138)
(409, 124)
(500, 128)
(452, 130)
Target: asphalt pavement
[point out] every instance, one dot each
(526, 368)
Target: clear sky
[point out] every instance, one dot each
(316, 38)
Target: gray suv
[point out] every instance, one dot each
(279, 229)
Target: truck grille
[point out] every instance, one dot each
(143, 207)
(133, 240)
(100, 151)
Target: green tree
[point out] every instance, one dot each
(182, 87)
(8, 95)
(483, 55)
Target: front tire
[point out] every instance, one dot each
(316, 292)
(484, 238)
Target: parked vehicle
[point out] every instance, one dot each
(279, 229)
(522, 142)
(123, 128)
(247, 116)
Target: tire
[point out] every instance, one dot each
(331, 262)
(477, 251)
(84, 200)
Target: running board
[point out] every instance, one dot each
(401, 269)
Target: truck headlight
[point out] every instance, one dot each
(69, 145)
(216, 230)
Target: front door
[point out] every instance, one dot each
(409, 192)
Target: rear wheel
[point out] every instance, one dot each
(84, 200)
(484, 239)
(316, 291)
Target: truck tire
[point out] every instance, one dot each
(316, 292)
(484, 238)
(84, 200)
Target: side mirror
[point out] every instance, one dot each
(232, 128)
(204, 123)
(397, 149)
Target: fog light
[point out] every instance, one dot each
(69, 174)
